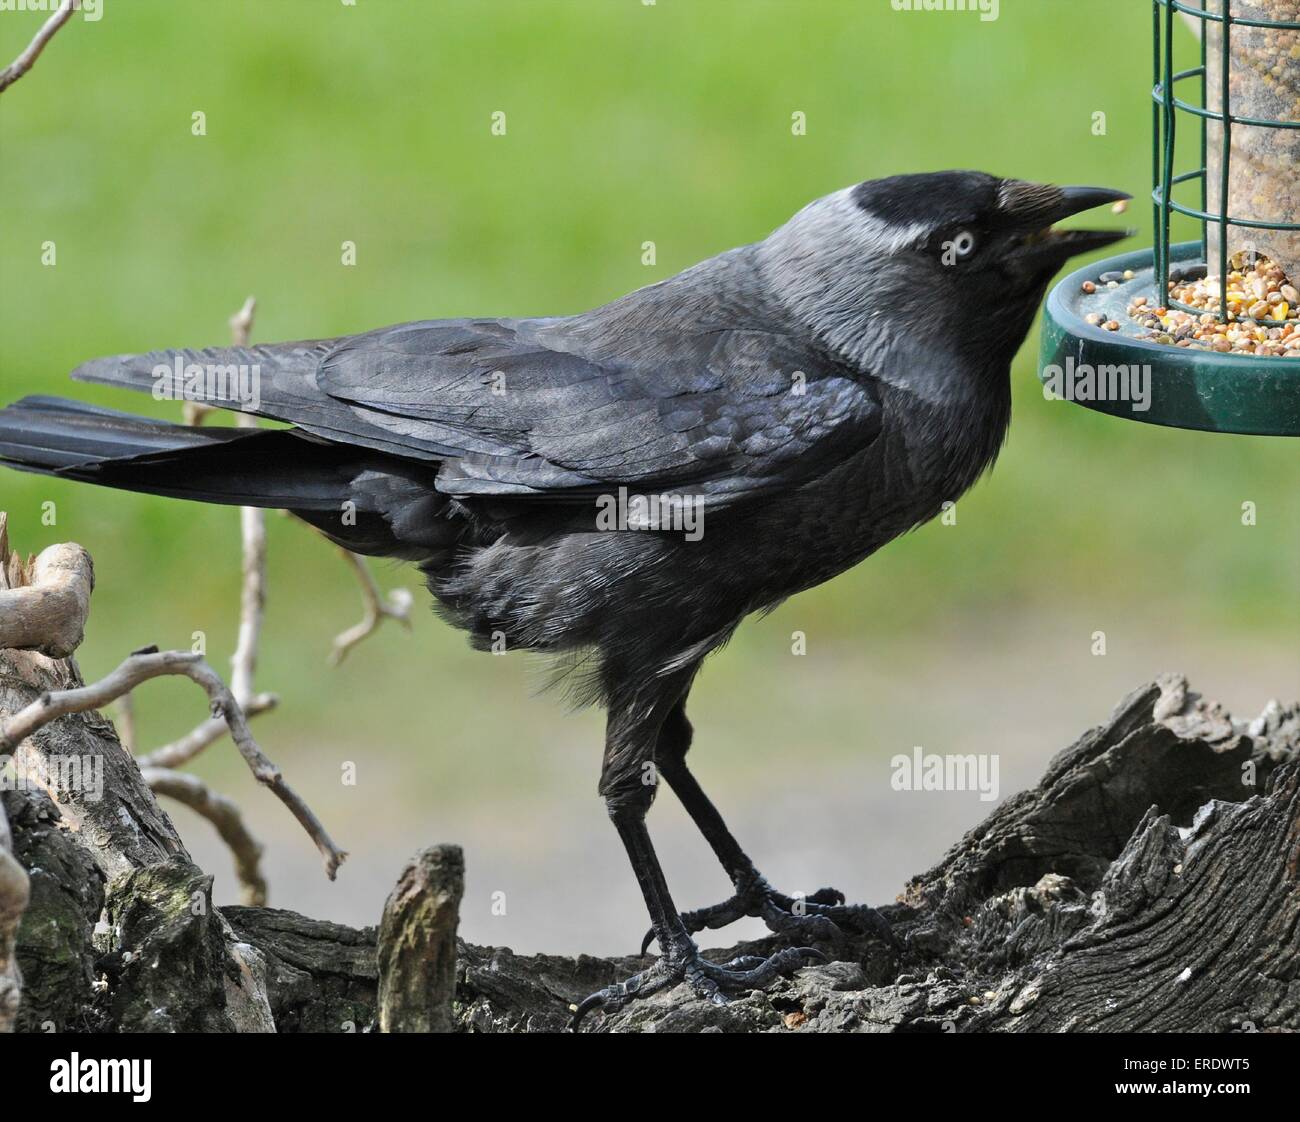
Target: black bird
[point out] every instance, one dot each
(624, 486)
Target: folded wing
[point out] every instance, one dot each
(532, 408)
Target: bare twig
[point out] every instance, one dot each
(252, 526)
(151, 663)
(125, 709)
(195, 412)
(375, 609)
(252, 602)
(241, 323)
(225, 815)
(185, 748)
(23, 63)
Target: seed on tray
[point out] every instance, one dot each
(1261, 308)
(1262, 317)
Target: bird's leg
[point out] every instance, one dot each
(628, 784)
(820, 916)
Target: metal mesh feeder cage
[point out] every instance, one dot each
(1211, 328)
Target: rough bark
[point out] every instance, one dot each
(320, 976)
(1150, 882)
(92, 837)
(15, 892)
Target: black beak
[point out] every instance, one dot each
(1076, 199)
(1061, 245)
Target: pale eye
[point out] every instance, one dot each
(959, 247)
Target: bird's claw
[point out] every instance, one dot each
(710, 980)
(821, 916)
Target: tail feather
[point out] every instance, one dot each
(277, 468)
(274, 380)
(364, 500)
(50, 432)
(284, 371)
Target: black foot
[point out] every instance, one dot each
(822, 916)
(710, 980)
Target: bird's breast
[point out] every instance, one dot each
(924, 457)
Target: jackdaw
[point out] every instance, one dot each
(622, 487)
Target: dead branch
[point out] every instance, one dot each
(225, 816)
(375, 609)
(24, 62)
(252, 527)
(185, 748)
(149, 663)
(252, 600)
(48, 613)
(126, 732)
(241, 327)
(195, 412)
(241, 323)
(417, 943)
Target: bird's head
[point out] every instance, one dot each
(947, 263)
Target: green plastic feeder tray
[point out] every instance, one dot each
(1187, 389)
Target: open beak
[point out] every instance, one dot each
(1049, 243)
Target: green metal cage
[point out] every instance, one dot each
(1192, 388)
(1164, 127)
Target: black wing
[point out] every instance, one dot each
(555, 409)
(726, 413)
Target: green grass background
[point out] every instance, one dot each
(627, 122)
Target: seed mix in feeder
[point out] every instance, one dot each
(1263, 84)
(1261, 313)
(1256, 292)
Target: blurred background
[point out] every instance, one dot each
(626, 122)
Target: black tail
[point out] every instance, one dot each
(279, 468)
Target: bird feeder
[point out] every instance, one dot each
(1210, 329)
